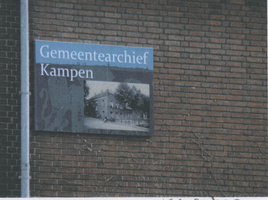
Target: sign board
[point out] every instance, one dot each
(97, 89)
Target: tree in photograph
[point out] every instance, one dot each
(86, 91)
(132, 98)
(140, 102)
(123, 95)
(89, 107)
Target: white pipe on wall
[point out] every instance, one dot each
(25, 100)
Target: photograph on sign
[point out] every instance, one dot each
(117, 106)
(96, 89)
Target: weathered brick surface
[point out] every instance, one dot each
(210, 92)
(9, 99)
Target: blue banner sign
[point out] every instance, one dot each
(98, 89)
(92, 54)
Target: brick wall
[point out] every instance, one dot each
(9, 98)
(210, 92)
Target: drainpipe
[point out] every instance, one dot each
(25, 100)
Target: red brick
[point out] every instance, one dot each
(209, 78)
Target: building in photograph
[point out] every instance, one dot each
(106, 107)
